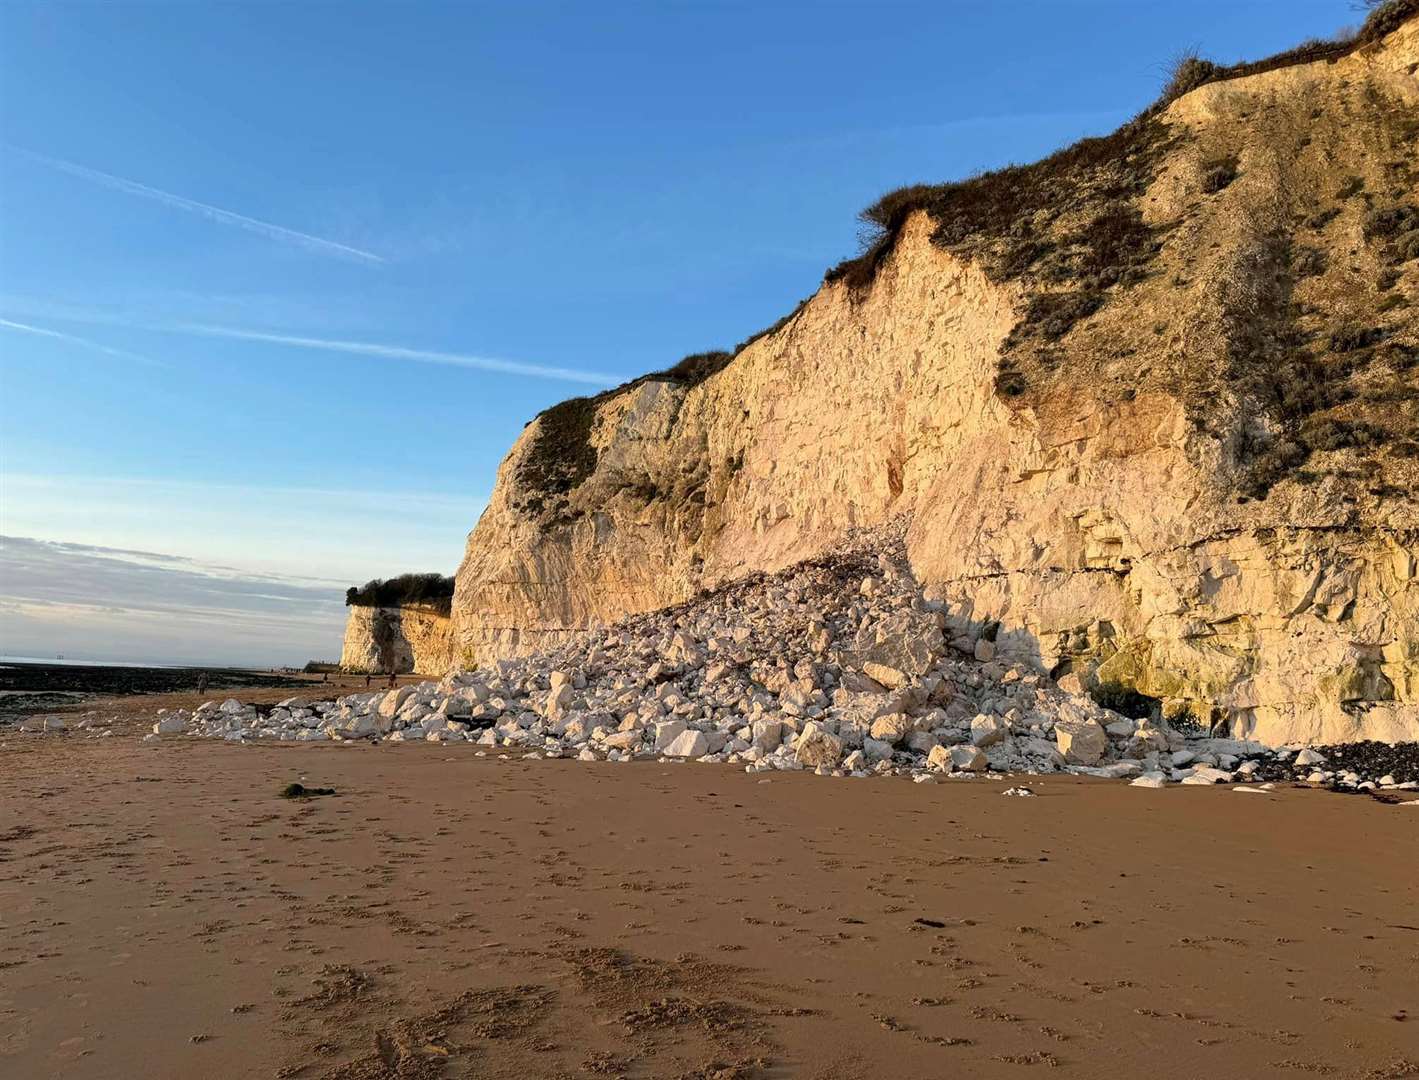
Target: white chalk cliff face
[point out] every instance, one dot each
(1087, 528)
(404, 639)
(842, 416)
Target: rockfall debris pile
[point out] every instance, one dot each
(837, 665)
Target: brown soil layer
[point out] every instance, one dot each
(167, 914)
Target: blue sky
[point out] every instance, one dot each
(280, 283)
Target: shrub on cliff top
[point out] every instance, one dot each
(562, 455)
(997, 205)
(434, 590)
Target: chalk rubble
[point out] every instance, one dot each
(840, 665)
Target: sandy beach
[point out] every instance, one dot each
(167, 914)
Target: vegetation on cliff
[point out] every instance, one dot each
(991, 216)
(1321, 355)
(1149, 259)
(428, 590)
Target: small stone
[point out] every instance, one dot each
(620, 740)
(1206, 774)
(688, 744)
(969, 759)
(889, 677)
(988, 730)
(817, 747)
(939, 758)
(667, 731)
(766, 735)
(1082, 742)
(389, 704)
(892, 728)
(876, 749)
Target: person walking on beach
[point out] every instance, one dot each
(201, 682)
(393, 679)
(367, 680)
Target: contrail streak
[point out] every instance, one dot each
(355, 348)
(211, 213)
(398, 352)
(39, 331)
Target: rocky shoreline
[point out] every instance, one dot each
(23, 679)
(838, 665)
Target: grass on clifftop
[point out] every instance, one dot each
(998, 204)
(1325, 376)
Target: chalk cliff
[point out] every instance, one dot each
(1151, 406)
(406, 638)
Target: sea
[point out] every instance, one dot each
(75, 662)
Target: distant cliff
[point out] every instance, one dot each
(1152, 406)
(406, 638)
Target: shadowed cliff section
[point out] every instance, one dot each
(1151, 405)
(399, 625)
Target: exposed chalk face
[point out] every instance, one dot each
(399, 639)
(777, 701)
(1105, 521)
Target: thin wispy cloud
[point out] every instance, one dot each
(399, 352)
(380, 350)
(71, 339)
(106, 603)
(211, 213)
(346, 534)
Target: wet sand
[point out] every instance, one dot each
(164, 914)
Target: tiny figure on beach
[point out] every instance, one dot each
(393, 679)
(201, 682)
(367, 680)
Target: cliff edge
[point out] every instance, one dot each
(400, 638)
(1150, 405)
